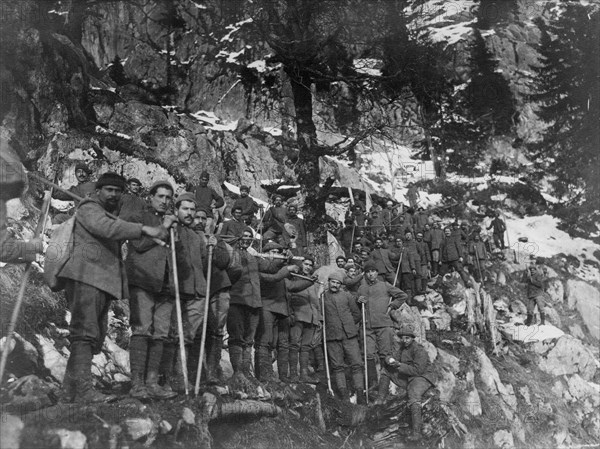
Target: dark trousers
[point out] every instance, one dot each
(456, 265)
(342, 351)
(89, 313)
(150, 313)
(242, 323)
(415, 387)
(380, 342)
(273, 327)
(499, 240)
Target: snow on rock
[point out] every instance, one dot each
(544, 239)
(530, 334)
(211, 121)
(586, 299)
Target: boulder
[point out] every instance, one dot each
(53, 360)
(11, 429)
(448, 360)
(584, 391)
(445, 384)
(591, 424)
(518, 307)
(188, 416)
(70, 439)
(117, 355)
(452, 289)
(442, 320)
(501, 278)
(503, 439)
(552, 316)
(576, 331)
(530, 334)
(432, 351)
(409, 316)
(489, 377)
(138, 428)
(30, 393)
(555, 290)
(472, 402)
(569, 356)
(586, 299)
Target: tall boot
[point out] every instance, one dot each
(167, 364)
(529, 320)
(264, 364)
(340, 383)
(155, 352)
(294, 365)
(213, 359)
(283, 367)
(542, 318)
(305, 376)
(138, 353)
(68, 386)
(417, 421)
(358, 380)
(383, 389)
(235, 357)
(81, 351)
(372, 372)
(247, 362)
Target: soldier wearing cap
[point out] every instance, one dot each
(387, 214)
(207, 198)
(341, 315)
(274, 315)
(150, 276)
(247, 204)
(299, 243)
(498, 226)
(84, 189)
(535, 278)
(274, 221)
(437, 238)
(220, 285)
(235, 226)
(425, 260)
(12, 183)
(420, 219)
(95, 275)
(132, 202)
(191, 250)
(410, 369)
(378, 297)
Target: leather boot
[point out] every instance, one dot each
(358, 381)
(294, 365)
(247, 368)
(265, 366)
(542, 318)
(154, 358)
(340, 383)
(361, 399)
(372, 372)
(417, 421)
(283, 369)
(138, 353)
(235, 357)
(213, 359)
(167, 363)
(68, 387)
(383, 389)
(81, 351)
(305, 376)
(529, 320)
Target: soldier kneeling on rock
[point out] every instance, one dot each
(410, 369)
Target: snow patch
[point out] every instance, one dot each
(367, 66)
(276, 132)
(211, 121)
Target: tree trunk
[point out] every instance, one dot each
(307, 166)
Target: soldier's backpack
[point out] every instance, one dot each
(58, 253)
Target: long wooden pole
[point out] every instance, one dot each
(41, 224)
(364, 326)
(182, 356)
(329, 388)
(205, 322)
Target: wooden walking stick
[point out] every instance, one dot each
(364, 325)
(179, 315)
(329, 388)
(398, 267)
(41, 224)
(205, 322)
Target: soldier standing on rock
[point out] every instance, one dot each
(94, 276)
(535, 278)
(410, 369)
(149, 272)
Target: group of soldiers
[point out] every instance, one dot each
(268, 303)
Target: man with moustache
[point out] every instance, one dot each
(95, 275)
(191, 250)
(235, 226)
(132, 202)
(207, 198)
(150, 276)
(410, 369)
(84, 189)
(247, 204)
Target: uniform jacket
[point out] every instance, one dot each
(83, 190)
(497, 225)
(378, 300)
(221, 260)
(437, 237)
(249, 207)
(147, 262)
(233, 227)
(204, 198)
(420, 219)
(423, 251)
(477, 248)
(408, 262)
(131, 205)
(450, 250)
(376, 225)
(414, 362)
(383, 260)
(304, 303)
(274, 293)
(298, 223)
(191, 262)
(246, 289)
(96, 258)
(535, 283)
(341, 315)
